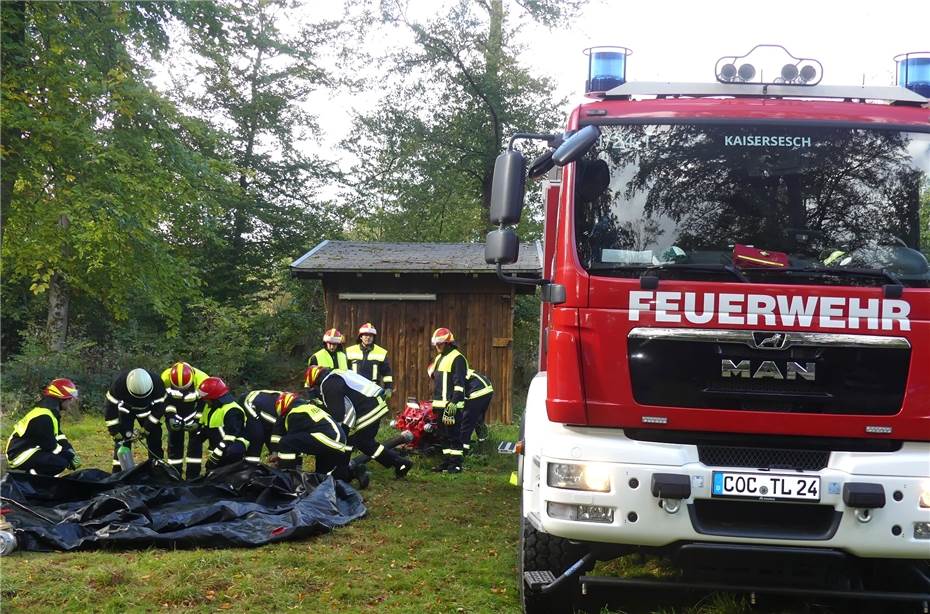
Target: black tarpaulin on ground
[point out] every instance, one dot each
(239, 505)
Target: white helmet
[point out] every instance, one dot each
(139, 383)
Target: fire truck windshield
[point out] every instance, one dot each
(824, 200)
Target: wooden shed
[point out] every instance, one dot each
(407, 290)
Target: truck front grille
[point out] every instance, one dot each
(763, 458)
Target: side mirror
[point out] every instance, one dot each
(502, 247)
(574, 146)
(507, 188)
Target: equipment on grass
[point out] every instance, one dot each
(424, 425)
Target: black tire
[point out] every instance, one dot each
(540, 551)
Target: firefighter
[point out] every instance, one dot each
(262, 415)
(332, 354)
(449, 371)
(357, 403)
(370, 360)
(37, 444)
(224, 424)
(183, 408)
(478, 394)
(136, 395)
(304, 427)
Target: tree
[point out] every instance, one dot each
(98, 166)
(427, 152)
(254, 85)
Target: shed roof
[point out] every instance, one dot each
(356, 256)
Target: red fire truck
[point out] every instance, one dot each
(735, 335)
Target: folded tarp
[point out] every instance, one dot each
(239, 505)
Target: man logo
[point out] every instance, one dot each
(764, 340)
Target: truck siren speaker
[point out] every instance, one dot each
(914, 72)
(606, 69)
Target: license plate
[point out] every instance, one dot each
(766, 486)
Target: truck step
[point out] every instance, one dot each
(536, 580)
(507, 447)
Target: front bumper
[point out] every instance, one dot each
(642, 519)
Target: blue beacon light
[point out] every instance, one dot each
(606, 69)
(914, 71)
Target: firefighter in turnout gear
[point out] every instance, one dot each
(305, 428)
(449, 371)
(135, 395)
(37, 444)
(332, 354)
(224, 424)
(478, 394)
(260, 407)
(183, 408)
(370, 360)
(358, 404)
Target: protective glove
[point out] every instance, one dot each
(387, 393)
(75, 462)
(191, 424)
(215, 458)
(448, 414)
(174, 422)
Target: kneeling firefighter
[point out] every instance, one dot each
(260, 405)
(304, 428)
(37, 444)
(183, 409)
(358, 403)
(224, 424)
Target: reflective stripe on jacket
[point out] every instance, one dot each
(323, 358)
(370, 362)
(449, 376)
(477, 385)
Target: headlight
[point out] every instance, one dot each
(588, 476)
(924, 499)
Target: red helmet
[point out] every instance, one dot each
(213, 388)
(181, 376)
(61, 388)
(367, 329)
(442, 335)
(333, 336)
(313, 375)
(284, 402)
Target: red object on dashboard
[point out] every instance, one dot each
(747, 256)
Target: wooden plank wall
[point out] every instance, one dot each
(479, 313)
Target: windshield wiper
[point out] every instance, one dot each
(892, 290)
(648, 281)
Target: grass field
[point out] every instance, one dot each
(430, 543)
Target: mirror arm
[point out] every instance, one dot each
(536, 136)
(522, 281)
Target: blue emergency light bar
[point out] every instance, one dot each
(914, 72)
(606, 69)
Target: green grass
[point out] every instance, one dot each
(430, 543)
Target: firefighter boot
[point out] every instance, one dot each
(401, 464)
(360, 472)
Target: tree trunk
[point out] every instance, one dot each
(58, 303)
(59, 299)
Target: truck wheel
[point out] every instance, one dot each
(540, 551)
